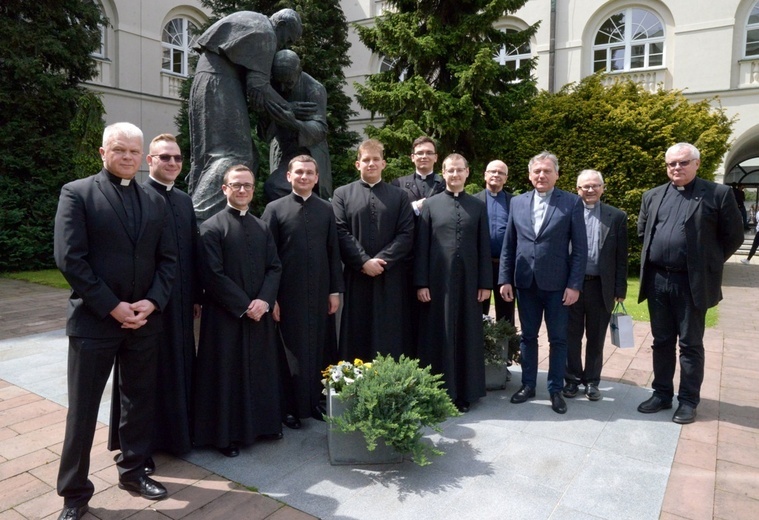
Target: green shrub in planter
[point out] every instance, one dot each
(501, 341)
(393, 401)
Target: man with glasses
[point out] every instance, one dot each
(497, 201)
(176, 353)
(424, 183)
(690, 227)
(543, 265)
(605, 284)
(237, 398)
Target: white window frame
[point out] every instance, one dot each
(178, 51)
(627, 41)
(752, 27)
(516, 55)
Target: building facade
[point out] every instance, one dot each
(143, 58)
(709, 50)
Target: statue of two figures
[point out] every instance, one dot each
(243, 63)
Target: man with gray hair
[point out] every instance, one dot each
(605, 283)
(690, 227)
(111, 245)
(543, 265)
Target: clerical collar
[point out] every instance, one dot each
(167, 186)
(423, 176)
(235, 210)
(371, 185)
(688, 187)
(493, 194)
(118, 180)
(304, 199)
(453, 194)
(544, 195)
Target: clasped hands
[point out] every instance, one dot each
(133, 315)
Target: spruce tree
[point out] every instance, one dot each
(47, 119)
(443, 80)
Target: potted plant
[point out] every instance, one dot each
(383, 404)
(501, 350)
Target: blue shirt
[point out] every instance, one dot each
(498, 215)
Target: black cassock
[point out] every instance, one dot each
(374, 222)
(237, 369)
(306, 238)
(452, 259)
(176, 354)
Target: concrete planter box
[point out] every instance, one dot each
(495, 377)
(350, 448)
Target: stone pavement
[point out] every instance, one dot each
(600, 460)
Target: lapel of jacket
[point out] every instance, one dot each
(144, 198)
(656, 199)
(551, 207)
(108, 191)
(605, 219)
(410, 185)
(699, 190)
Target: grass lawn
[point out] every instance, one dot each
(639, 311)
(49, 277)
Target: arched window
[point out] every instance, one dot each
(631, 39)
(387, 64)
(752, 32)
(178, 37)
(511, 56)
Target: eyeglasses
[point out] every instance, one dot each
(165, 157)
(495, 172)
(236, 186)
(455, 170)
(424, 153)
(681, 164)
(590, 187)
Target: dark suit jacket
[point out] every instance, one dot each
(713, 231)
(555, 259)
(612, 255)
(409, 186)
(104, 264)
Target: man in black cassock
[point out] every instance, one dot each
(237, 370)
(176, 352)
(303, 227)
(375, 226)
(452, 269)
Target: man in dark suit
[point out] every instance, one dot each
(605, 283)
(424, 183)
(689, 227)
(497, 201)
(111, 247)
(543, 262)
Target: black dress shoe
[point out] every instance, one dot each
(557, 403)
(270, 436)
(146, 487)
(570, 390)
(592, 392)
(319, 412)
(149, 466)
(654, 404)
(230, 451)
(462, 406)
(685, 414)
(291, 422)
(523, 394)
(73, 513)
